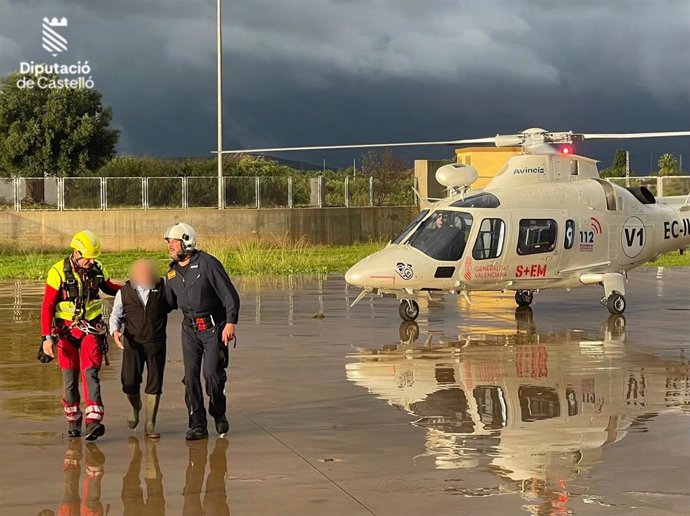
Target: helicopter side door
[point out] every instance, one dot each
(486, 263)
(535, 247)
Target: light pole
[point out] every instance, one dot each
(219, 86)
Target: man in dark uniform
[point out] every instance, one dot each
(198, 285)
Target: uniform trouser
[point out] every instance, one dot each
(203, 348)
(135, 356)
(83, 361)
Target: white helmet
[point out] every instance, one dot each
(184, 233)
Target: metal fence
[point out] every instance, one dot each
(120, 193)
(660, 186)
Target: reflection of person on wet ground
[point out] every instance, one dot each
(215, 501)
(132, 492)
(88, 500)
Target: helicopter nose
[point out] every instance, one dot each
(379, 269)
(355, 275)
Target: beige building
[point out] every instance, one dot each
(486, 160)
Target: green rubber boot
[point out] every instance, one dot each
(133, 416)
(152, 402)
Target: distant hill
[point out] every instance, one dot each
(297, 165)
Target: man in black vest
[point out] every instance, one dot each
(141, 306)
(198, 285)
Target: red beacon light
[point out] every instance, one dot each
(566, 150)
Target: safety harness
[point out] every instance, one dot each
(70, 291)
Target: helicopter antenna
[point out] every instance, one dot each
(423, 203)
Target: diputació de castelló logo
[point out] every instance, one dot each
(56, 75)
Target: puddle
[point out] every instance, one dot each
(533, 406)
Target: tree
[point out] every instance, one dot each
(388, 171)
(668, 165)
(617, 168)
(62, 132)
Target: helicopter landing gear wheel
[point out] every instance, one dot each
(524, 297)
(409, 332)
(615, 303)
(408, 310)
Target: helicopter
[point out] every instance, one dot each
(547, 220)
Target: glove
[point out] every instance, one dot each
(41, 356)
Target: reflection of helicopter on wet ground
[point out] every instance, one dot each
(546, 220)
(534, 407)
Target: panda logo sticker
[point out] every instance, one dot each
(633, 237)
(404, 270)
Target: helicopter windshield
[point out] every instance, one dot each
(412, 224)
(443, 236)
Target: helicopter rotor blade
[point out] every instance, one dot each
(499, 140)
(491, 139)
(625, 136)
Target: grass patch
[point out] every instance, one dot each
(240, 259)
(674, 259)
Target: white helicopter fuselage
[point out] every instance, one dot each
(545, 221)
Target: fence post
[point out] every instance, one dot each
(61, 193)
(290, 198)
(347, 191)
(320, 191)
(660, 186)
(146, 193)
(371, 190)
(103, 206)
(222, 185)
(17, 201)
(105, 189)
(258, 192)
(185, 192)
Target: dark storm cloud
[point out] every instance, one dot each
(333, 71)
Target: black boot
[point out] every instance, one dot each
(74, 430)
(196, 434)
(222, 425)
(94, 431)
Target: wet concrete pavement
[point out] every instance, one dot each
(475, 410)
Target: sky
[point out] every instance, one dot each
(311, 72)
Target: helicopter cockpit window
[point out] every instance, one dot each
(482, 200)
(537, 236)
(489, 243)
(409, 227)
(443, 236)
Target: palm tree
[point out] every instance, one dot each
(668, 165)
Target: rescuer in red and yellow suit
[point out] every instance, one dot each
(71, 321)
